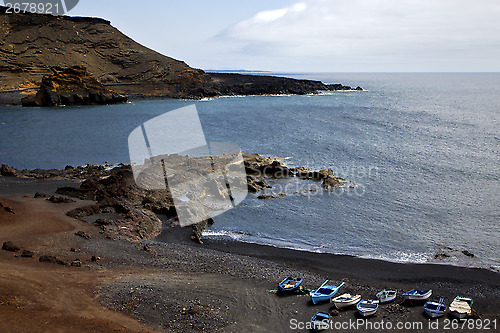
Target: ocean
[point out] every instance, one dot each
(421, 148)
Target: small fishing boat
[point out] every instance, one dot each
(289, 284)
(345, 300)
(320, 321)
(435, 309)
(324, 292)
(387, 295)
(367, 307)
(461, 307)
(417, 295)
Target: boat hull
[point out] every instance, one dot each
(320, 321)
(324, 292)
(459, 315)
(435, 309)
(434, 314)
(340, 304)
(461, 307)
(386, 296)
(367, 313)
(319, 299)
(417, 297)
(367, 308)
(289, 284)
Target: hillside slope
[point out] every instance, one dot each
(30, 44)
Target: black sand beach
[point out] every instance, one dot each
(172, 284)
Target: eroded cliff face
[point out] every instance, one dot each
(72, 86)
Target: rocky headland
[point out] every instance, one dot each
(32, 45)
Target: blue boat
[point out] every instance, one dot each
(289, 284)
(320, 321)
(324, 292)
(435, 309)
(417, 295)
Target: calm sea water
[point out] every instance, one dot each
(423, 150)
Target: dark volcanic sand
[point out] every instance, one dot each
(216, 286)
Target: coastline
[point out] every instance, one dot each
(172, 284)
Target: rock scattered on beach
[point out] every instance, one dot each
(76, 263)
(52, 259)
(27, 254)
(149, 249)
(58, 200)
(10, 246)
(7, 209)
(40, 195)
(447, 253)
(83, 234)
(468, 254)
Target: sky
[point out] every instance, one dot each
(314, 35)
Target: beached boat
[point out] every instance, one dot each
(461, 307)
(320, 321)
(367, 307)
(417, 295)
(387, 295)
(345, 300)
(435, 309)
(324, 292)
(289, 284)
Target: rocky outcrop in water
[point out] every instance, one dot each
(135, 212)
(72, 86)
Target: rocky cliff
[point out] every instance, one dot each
(72, 86)
(31, 44)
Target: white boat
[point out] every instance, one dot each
(461, 307)
(417, 295)
(367, 307)
(387, 295)
(435, 309)
(345, 300)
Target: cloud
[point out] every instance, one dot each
(422, 34)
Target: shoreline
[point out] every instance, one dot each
(171, 284)
(13, 98)
(50, 180)
(229, 239)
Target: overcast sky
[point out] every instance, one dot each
(314, 35)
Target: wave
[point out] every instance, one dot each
(400, 257)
